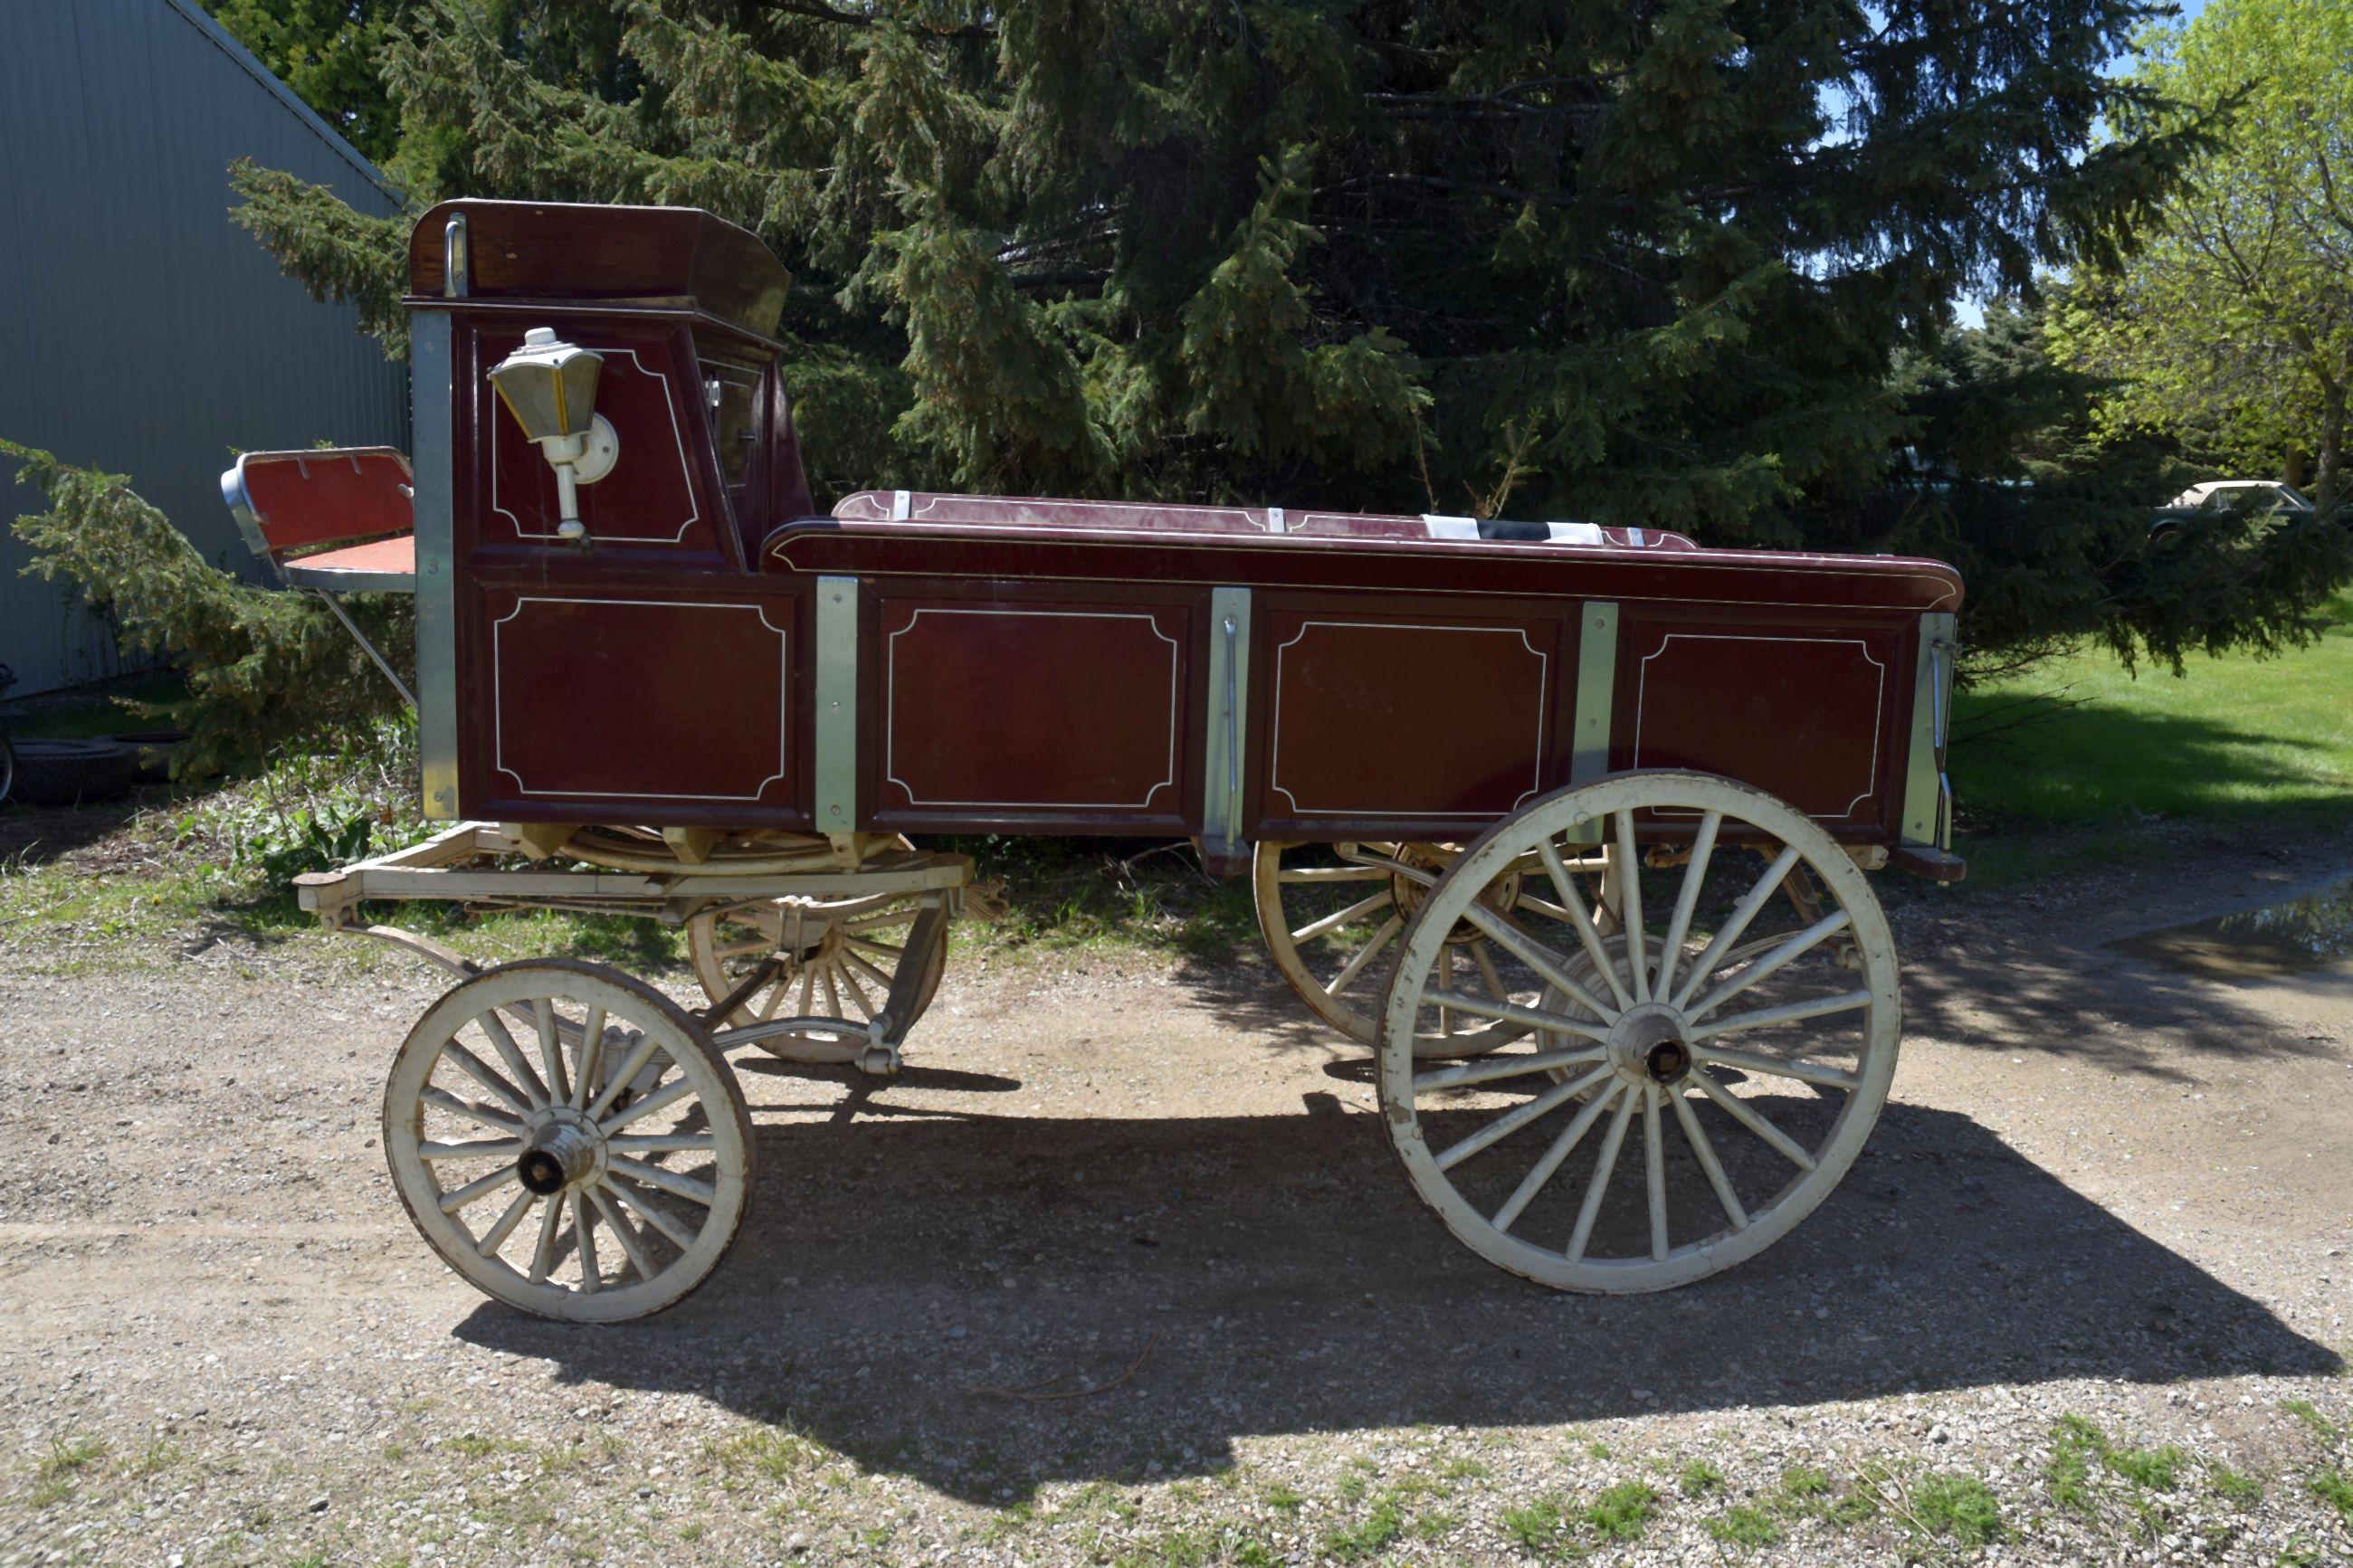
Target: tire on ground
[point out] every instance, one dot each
(66, 773)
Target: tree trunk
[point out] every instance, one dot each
(2330, 479)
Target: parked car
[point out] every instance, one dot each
(2217, 496)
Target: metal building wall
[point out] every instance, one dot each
(141, 331)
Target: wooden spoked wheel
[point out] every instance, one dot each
(1663, 1118)
(568, 1140)
(834, 960)
(1332, 915)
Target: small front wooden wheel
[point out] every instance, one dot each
(569, 1140)
(835, 960)
(1332, 914)
(1733, 1068)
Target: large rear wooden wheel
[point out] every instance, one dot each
(1660, 1117)
(1332, 915)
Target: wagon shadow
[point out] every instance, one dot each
(1231, 1277)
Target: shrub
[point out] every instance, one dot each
(264, 665)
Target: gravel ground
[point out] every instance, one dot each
(2083, 1301)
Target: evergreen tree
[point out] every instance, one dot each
(1646, 261)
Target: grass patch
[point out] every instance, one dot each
(1370, 1535)
(2230, 737)
(2150, 1469)
(776, 1454)
(2075, 1443)
(1621, 1513)
(1744, 1524)
(1535, 1526)
(2231, 1487)
(2303, 1410)
(2331, 1487)
(1283, 1499)
(1698, 1477)
(68, 1457)
(1961, 1508)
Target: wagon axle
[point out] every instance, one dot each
(561, 1155)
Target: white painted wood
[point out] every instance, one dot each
(1833, 1033)
(669, 1195)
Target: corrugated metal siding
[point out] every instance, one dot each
(140, 330)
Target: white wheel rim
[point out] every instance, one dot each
(1589, 1156)
(835, 960)
(641, 1121)
(1333, 918)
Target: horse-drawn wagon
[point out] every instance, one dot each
(1568, 824)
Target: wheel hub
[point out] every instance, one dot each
(563, 1149)
(1502, 895)
(1646, 1045)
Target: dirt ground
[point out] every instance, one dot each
(2104, 1196)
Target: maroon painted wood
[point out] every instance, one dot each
(1042, 665)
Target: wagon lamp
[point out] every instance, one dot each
(550, 387)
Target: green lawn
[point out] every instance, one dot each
(2231, 737)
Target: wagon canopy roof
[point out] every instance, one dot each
(568, 250)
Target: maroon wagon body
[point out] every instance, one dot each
(717, 655)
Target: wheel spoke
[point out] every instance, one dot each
(670, 1181)
(1629, 897)
(543, 1257)
(856, 991)
(631, 1067)
(592, 1055)
(1742, 913)
(1796, 947)
(481, 1072)
(1776, 1067)
(479, 1188)
(1788, 1012)
(646, 1106)
(661, 1143)
(890, 949)
(1487, 976)
(1512, 1012)
(1604, 1167)
(590, 1280)
(742, 950)
(512, 1054)
(483, 1149)
(1654, 1171)
(1542, 1170)
(1756, 1121)
(1510, 1121)
(481, 1115)
(1695, 878)
(626, 1236)
(1333, 921)
(1486, 1070)
(808, 992)
(1355, 967)
(776, 997)
(496, 1236)
(832, 992)
(551, 1049)
(1538, 957)
(1703, 1150)
(1574, 911)
(880, 976)
(652, 1214)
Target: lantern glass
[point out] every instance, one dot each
(550, 387)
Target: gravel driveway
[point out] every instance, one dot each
(2083, 1299)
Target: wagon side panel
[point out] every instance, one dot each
(1039, 711)
(1403, 716)
(1814, 708)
